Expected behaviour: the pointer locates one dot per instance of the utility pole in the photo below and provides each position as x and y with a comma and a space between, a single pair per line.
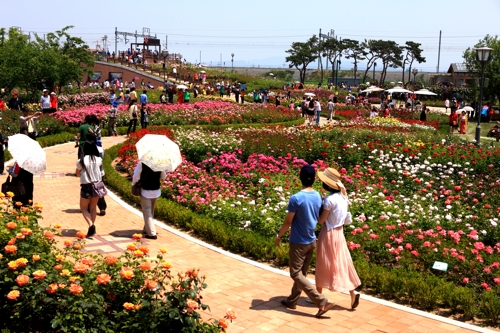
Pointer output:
439, 51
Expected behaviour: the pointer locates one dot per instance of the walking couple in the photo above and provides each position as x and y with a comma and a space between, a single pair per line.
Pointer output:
334, 267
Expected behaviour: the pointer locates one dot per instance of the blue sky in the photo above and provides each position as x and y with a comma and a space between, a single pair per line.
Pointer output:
259, 32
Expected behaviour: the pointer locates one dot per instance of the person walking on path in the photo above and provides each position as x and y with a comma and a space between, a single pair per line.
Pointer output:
303, 212
150, 191
453, 120
330, 107
88, 168
317, 110
446, 104
83, 130
112, 118
132, 110
463, 120
334, 267
242, 96
53, 102
180, 96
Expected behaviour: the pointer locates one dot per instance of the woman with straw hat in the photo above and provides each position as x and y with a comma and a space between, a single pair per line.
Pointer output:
334, 267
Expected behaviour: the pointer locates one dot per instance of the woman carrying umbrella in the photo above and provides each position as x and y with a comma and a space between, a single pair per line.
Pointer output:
30, 160
157, 155
88, 168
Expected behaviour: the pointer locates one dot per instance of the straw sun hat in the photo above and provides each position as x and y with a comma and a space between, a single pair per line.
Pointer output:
332, 178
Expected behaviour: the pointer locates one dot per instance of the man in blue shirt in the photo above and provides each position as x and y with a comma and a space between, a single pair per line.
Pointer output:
143, 98
303, 212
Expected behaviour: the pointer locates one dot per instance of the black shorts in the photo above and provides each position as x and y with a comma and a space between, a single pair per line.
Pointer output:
310, 112
86, 191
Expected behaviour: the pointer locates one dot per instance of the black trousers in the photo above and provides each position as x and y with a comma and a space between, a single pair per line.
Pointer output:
134, 122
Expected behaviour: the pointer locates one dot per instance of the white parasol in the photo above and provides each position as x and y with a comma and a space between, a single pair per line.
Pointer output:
309, 94
159, 152
181, 86
28, 153
425, 92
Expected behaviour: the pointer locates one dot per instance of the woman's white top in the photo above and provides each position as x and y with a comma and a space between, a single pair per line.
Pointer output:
92, 173
337, 206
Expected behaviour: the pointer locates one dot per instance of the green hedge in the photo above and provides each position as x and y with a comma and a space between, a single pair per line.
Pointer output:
296, 122
212, 231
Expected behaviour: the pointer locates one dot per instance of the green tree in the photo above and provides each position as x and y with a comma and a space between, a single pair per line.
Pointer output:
413, 52
491, 69
354, 50
390, 53
333, 49
371, 54
302, 54
42, 63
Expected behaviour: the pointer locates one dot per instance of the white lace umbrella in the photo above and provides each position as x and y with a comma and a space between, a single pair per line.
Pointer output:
424, 92
28, 153
159, 152
309, 94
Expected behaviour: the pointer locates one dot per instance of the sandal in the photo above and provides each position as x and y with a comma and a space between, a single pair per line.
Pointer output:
327, 308
355, 304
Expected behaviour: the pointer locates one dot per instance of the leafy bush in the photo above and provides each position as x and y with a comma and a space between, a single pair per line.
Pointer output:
45, 288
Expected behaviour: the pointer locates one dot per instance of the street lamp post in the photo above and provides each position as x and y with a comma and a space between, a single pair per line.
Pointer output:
414, 71
232, 62
374, 66
164, 54
483, 56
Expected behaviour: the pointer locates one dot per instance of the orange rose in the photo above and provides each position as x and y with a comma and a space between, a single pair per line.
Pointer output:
127, 273
75, 289
137, 307
111, 260
10, 249
223, 323
88, 261
128, 306
131, 247
13, 295
49, 234
23, 218
81, 268
52, 288
12, 265
1, 256
145, 266
181, 275
38, 206
11, 225
136, 236
39, 274
166, 265
73, 279
22, 280
65, 272
12, 241
103, 278
81, 234
150, 284
77, 246
68, 243
58, 267
20, 236
59, 257
26, 231
163, 250
35, 257
230, 314
192, 305
144, 249
23, 262
138, 253
2, 195
18, 203
10, 194
57, 225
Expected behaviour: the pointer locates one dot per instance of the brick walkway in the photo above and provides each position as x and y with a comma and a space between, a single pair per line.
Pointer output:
253, 292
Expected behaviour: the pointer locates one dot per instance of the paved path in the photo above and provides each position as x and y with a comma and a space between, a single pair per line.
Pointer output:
253, 292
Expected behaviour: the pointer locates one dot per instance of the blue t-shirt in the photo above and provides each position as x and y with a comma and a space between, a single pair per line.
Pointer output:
305, 205
143, 98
